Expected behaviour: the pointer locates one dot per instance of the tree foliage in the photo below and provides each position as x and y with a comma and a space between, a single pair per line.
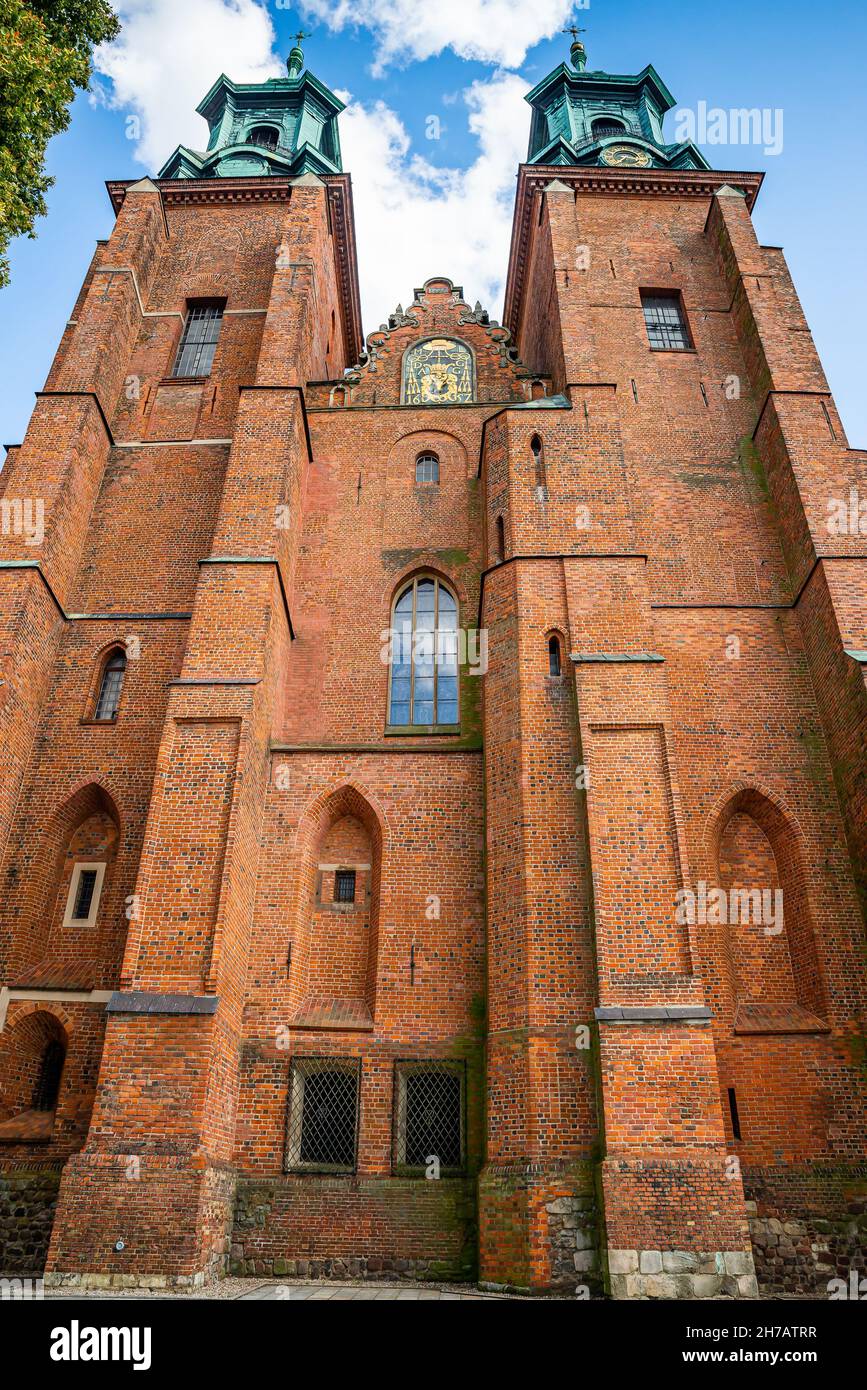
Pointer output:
46, 51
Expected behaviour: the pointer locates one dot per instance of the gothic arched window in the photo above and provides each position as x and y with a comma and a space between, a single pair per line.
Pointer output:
438, 372
110, 686
424, 655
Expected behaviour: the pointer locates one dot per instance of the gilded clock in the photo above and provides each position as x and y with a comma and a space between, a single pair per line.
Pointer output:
626, 157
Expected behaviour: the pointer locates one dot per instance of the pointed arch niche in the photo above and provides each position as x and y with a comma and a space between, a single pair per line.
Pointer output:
67, 923
335, 931
774, 977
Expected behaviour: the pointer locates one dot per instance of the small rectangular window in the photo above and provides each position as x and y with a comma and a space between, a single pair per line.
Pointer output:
322, 1134
82, 900
199, 340
344, 886
429, 1116
84, 896
666, 322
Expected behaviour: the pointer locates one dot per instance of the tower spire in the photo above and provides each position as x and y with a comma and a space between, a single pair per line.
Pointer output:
577, 52
295, 61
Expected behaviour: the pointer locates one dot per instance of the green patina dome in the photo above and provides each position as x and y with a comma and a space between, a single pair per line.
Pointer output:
285, 126
578, 115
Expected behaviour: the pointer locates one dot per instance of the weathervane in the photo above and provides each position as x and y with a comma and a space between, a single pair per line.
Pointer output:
577, 52
295, 61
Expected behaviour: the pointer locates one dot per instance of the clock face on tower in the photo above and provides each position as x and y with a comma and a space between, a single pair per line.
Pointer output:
626, 157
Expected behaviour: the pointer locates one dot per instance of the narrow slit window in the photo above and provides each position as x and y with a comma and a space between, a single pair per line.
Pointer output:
84, 895
199, 340
501, 540
344, 886
666, 322
554, 667
733, 1110
82, 900
110, 687
47, 1087
539, 466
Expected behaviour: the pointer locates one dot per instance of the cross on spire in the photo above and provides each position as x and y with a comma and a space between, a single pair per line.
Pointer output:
574, 31
300, 36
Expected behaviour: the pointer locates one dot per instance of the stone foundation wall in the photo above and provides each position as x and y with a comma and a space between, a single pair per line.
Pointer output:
808, 1227
681, 1274
28, 1197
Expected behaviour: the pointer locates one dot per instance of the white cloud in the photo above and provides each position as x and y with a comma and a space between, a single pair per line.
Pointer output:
167, 57
415, 220
489, 31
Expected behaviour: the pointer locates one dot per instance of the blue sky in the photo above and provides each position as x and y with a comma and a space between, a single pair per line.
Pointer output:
443, 206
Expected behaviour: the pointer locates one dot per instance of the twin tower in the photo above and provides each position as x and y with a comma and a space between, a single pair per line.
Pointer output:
433, 808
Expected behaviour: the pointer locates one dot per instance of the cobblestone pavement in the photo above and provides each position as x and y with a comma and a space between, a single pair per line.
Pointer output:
303, 1290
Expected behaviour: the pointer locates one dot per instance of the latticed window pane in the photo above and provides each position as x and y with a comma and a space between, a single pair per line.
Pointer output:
430, 1115
199, 340
427, 468
110, 687
323, 1115
424, 671
84, 895
666, 325
344, 886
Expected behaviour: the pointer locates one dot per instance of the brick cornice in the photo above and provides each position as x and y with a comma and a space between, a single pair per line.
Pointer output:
271, 189
641, 183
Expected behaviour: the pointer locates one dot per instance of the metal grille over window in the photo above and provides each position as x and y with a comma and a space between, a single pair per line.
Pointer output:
666, 325
322, 1131
84, 895
344, 886
427, 468
429, 1116
424, 671
199, 340
110, 687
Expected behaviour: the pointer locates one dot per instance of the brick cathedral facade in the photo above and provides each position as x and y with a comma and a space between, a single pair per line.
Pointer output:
331, 947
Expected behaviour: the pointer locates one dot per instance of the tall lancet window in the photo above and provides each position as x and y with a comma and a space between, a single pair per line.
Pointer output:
424, 655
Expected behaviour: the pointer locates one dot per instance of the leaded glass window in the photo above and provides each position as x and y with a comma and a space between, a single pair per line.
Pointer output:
427, 468
666, 323
199, 340
110, 687
438, 372
424, 655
